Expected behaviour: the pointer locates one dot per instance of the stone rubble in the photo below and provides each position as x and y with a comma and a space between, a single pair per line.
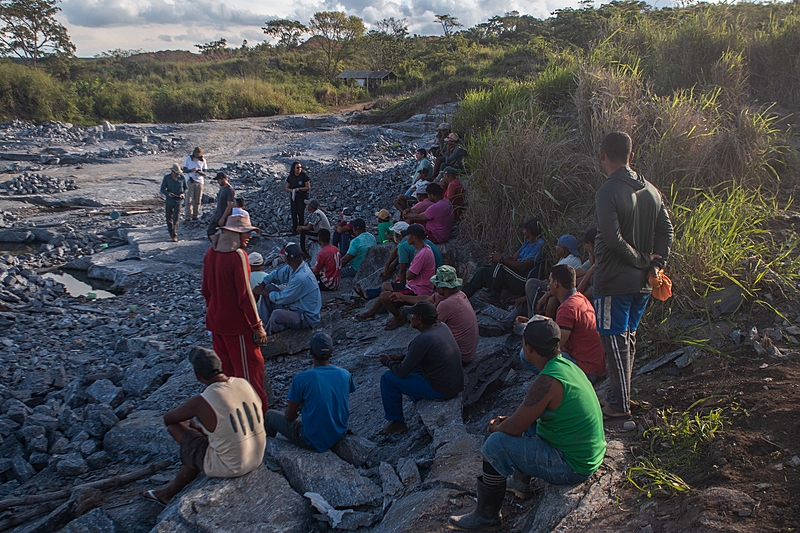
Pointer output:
29, 183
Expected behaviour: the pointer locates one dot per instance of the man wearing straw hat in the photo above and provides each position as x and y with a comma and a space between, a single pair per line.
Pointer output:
173, 187
232, 313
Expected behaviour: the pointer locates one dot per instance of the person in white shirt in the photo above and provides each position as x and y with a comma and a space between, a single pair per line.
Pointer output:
194, 167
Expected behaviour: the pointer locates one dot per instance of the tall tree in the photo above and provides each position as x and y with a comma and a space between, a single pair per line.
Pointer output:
339, 32
288, 32
31, 32
387, 45
449, 24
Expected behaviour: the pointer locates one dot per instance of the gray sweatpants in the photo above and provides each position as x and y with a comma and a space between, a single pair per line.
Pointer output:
620, 352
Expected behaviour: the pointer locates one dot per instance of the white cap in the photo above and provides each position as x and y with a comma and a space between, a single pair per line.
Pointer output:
422, 188
255, 258
399, 227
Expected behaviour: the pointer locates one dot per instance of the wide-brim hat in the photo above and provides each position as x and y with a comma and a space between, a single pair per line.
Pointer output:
239, 224
446, 278
383, 214
176, 168
452, 137
444, 126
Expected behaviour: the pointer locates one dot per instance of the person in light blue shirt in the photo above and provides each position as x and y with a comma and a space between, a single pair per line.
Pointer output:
323, 393
359, 247
298, 304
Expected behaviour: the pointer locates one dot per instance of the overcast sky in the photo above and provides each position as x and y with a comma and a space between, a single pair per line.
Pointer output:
99, 25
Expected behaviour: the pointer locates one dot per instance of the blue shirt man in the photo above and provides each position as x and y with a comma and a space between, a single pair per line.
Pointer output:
298, 303
323, 393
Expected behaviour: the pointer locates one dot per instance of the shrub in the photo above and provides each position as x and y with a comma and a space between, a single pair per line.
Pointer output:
30, 94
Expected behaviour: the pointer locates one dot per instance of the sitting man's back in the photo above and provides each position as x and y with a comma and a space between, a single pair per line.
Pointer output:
323, 393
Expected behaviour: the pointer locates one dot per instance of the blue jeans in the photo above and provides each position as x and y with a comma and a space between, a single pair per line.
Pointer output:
275, 422
414, 385
341, 241
530, 455
348, 271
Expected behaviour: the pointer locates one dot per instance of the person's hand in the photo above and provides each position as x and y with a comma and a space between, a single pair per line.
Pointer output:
495, 423
182, 195
260, 336
541, 305
385, 274
384, 359
520, 320
653, 257
395, 297
495, 257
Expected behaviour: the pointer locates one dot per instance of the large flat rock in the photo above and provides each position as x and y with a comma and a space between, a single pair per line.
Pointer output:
443, 419
457, 463
424, 512
337, 481
140, 438
259, 501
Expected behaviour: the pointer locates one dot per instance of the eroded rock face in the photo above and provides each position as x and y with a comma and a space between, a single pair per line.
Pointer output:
259, 501
338, 482
140, 438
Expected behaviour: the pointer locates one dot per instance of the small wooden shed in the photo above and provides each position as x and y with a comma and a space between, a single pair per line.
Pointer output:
368, 79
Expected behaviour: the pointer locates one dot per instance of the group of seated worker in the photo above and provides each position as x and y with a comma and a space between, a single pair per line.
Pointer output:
538, 298
222, 432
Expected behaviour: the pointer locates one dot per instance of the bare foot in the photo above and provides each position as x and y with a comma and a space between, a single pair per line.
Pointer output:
361, 317
395, 426
394, 324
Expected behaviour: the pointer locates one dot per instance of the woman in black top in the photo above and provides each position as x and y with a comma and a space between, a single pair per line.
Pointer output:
297, 185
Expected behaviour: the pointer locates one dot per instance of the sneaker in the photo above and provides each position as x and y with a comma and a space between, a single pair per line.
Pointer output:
520, 485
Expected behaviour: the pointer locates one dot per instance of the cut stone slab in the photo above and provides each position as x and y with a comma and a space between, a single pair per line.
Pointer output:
95, 521
354, 449
259, 501
337, 481
420, 512
661, 361
369, 271
723, 302
442, 419
287, 342
141, 437
457, 463
16, 236
180, 387
104, 391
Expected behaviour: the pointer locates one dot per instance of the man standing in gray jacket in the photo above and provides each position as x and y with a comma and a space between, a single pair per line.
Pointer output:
634, 237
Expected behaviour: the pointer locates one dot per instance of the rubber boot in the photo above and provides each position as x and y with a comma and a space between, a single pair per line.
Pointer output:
486, 516
520, 485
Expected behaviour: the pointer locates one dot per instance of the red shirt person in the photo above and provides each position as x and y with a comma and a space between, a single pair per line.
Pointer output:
232, 314
329, 263
454, 192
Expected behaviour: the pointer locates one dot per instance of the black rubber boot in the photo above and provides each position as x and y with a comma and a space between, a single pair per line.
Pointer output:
520, 485
486, 516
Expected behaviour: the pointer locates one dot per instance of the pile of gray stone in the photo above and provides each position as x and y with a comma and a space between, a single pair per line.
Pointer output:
52, 130
30, 183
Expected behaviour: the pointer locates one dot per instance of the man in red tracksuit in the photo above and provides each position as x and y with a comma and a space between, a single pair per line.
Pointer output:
232, 314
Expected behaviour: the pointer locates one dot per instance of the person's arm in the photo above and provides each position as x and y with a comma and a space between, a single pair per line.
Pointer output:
586, 279
226, 213
402, 270
416, 217
664, 234
286, 186
204, 288
565, 333
307, 186
346, 259
608, 225
409, 362
545, 392
164, 188
195, 406
291, 293
292, 411
245, 299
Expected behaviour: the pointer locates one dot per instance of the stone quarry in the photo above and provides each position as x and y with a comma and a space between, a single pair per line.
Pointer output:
86, 381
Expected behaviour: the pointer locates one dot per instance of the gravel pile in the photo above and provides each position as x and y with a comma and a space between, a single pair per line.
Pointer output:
52, 130
29, 183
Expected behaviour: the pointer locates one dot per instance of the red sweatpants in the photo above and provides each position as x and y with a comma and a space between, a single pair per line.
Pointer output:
241, 358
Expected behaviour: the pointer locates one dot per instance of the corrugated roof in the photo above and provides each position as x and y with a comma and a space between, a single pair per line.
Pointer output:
365, 74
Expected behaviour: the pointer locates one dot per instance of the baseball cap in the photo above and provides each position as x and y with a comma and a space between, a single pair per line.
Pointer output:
383, 214
220, 175
176, 168
532, 225
589, 236
542, 332
450, 171
321, 345
313, 203
358, 223
422, 189
426, 311
399, 227
206, 363
292, 250
416, 230
255, 259
570, 243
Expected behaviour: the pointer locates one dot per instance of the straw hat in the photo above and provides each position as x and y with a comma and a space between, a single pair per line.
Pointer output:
239, 224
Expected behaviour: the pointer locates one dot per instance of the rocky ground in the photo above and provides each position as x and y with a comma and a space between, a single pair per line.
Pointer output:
86, 381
